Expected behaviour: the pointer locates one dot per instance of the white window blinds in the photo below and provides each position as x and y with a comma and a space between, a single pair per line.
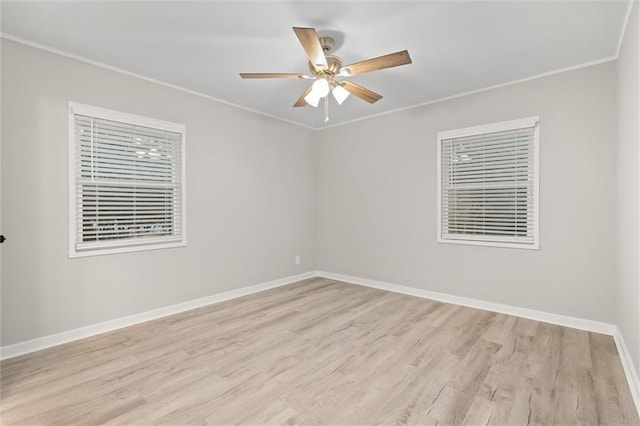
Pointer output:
488, 184
128, 187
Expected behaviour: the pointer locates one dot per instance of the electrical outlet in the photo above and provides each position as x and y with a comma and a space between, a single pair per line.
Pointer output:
297, 260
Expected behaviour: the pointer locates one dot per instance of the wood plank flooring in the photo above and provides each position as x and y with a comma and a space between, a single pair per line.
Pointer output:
324, 352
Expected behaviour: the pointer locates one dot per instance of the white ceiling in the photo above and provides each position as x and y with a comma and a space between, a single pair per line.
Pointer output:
456, 47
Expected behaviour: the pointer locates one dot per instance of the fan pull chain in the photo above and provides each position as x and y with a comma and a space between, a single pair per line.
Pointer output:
326, 109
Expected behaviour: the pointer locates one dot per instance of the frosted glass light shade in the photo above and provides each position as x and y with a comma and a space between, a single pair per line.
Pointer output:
321, 87
339, 93
312, 98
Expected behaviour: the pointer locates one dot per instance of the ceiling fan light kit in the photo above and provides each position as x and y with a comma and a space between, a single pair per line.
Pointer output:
321, 86
340, 94
325, 68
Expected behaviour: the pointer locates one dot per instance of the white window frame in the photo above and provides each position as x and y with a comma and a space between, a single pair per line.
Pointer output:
491, 128
124, 245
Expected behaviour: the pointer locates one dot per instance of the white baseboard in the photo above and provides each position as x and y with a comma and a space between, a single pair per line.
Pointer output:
563, 320
579, 323
22, 348
567, 321
629, 369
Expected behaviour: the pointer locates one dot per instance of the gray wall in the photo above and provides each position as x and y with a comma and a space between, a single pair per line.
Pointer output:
249, 193
376, 198
628, 289
261, 191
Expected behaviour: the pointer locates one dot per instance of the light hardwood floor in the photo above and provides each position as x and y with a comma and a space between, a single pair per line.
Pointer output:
324, 352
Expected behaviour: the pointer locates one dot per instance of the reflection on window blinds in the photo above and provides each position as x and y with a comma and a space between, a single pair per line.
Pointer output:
127, 184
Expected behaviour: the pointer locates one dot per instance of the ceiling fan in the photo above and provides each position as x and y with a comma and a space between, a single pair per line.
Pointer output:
326, 68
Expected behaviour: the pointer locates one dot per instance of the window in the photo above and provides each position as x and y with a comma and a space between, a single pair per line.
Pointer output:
488, 185
126, 182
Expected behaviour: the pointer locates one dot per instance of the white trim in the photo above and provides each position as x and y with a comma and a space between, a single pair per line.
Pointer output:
486, 243
103, 327
473, 92
627, 365
507, 241
536, 187
149, 79
501, 126
627, 17
125, 246
563, 320
71, 177
125, 117
202, 95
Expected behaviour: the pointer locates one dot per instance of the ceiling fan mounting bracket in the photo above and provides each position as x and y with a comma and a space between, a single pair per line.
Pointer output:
326, 43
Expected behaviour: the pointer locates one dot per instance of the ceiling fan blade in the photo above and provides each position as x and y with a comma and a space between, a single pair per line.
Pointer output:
360, 92
309, 40
379, 63
272, 75
301, 102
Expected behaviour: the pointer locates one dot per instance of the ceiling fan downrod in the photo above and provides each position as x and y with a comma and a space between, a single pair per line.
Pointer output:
326, 109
